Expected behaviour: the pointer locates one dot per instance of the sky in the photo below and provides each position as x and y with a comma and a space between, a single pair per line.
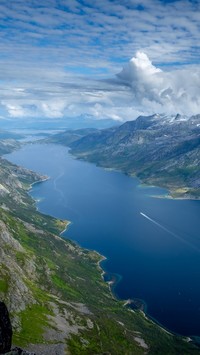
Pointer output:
104, 58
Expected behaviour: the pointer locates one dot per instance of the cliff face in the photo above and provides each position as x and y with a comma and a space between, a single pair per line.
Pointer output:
54, 291
5, 329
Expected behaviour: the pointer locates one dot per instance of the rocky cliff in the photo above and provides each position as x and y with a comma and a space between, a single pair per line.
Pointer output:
6, 334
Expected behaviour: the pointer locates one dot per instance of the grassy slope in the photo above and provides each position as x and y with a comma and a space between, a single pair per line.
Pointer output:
54, 288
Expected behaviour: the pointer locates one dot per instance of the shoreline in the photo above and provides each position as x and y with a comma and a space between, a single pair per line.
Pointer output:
37, 182
141, 184
66, 226
170, 194
170, 197
36, 201
102, 258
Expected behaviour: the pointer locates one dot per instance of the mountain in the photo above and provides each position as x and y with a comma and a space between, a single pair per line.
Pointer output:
9, 135
8, 145
54, 290
160, 150
69, 136
82, 121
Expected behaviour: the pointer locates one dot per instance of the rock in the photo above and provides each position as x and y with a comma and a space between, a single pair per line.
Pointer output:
19, 351
5, 329
6, 334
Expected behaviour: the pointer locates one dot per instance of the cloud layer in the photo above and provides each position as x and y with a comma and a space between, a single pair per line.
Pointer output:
140, 88
56, 58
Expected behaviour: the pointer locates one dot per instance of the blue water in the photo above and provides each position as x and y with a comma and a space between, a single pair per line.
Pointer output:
156, 255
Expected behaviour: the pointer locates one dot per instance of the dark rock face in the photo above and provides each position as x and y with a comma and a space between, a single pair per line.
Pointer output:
5, 329
19, 351
6, 334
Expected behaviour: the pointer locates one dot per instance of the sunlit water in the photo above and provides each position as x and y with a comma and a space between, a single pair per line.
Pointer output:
152, 244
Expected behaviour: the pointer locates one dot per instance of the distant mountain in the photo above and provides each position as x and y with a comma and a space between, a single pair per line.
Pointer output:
160, 150
82, 121
70, 136
9, 135
8, 145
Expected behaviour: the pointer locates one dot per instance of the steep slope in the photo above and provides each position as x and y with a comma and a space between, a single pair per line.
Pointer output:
8, 145
163, 151
54, 289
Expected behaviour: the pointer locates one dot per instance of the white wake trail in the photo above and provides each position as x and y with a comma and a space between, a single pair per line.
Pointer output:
170, 232
55, 184
62, 195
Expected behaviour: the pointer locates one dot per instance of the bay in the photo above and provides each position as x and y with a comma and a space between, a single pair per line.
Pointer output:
152, 244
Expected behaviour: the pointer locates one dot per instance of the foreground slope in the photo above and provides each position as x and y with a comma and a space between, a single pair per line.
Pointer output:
54, 289
163, 151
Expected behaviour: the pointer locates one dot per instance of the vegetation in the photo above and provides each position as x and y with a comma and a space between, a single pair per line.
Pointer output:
160, 151
55, 291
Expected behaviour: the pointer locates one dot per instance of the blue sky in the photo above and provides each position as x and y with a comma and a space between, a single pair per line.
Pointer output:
59, 58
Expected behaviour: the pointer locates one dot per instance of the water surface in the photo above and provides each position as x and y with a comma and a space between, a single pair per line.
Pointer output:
156, 253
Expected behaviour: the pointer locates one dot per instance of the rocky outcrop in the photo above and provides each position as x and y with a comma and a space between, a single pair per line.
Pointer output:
6, 334
19, 351
5, 329
16, 267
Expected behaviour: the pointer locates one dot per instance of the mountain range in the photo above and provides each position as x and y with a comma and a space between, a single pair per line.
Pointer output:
160, 150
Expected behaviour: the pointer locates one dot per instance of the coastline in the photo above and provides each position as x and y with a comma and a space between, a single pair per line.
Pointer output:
60, 222
168, 195
67, 223
45, 178
102, 258
103, 272
170, 192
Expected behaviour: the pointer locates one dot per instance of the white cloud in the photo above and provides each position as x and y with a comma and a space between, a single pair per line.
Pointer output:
157, 91
53, 108
140, 88
14, 110
48, 52
137, 66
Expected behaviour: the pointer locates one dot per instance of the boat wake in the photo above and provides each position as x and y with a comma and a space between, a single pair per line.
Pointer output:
55, 185
170, 232
63, 197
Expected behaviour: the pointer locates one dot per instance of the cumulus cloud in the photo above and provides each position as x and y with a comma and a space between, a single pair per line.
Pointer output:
157, 91
15, 110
